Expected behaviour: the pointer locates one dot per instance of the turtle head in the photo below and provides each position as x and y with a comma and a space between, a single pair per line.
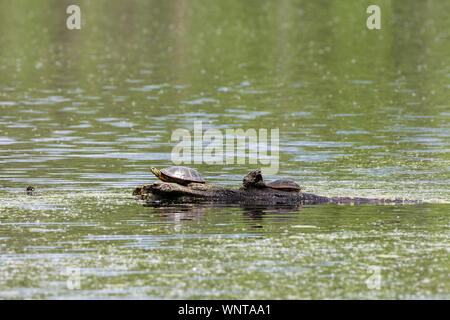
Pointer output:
156, 172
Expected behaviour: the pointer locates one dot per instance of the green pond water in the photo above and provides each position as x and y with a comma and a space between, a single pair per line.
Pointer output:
85, 113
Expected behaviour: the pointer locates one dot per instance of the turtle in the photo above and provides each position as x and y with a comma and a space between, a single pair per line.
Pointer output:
284, 185
178, 174
30, 190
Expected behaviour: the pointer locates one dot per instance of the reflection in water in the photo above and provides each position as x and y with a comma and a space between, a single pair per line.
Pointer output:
193, 212
197, 211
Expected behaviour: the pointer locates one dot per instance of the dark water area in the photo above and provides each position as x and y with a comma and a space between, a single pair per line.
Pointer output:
85, 113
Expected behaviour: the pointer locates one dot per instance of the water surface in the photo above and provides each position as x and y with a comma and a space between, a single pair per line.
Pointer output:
83, 114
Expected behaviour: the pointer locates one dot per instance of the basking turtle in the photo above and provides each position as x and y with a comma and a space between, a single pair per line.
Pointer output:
284, 185
178, 174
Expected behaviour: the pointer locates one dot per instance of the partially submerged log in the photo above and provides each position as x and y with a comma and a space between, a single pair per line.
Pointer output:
252, 192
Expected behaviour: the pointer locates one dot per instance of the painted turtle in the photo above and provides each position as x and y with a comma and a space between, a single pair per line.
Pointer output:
178, 174
30, 190
284, 185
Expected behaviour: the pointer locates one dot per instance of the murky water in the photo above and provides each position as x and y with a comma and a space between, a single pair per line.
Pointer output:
83, 114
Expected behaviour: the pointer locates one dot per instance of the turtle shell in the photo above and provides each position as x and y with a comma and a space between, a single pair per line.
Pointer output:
283, 184
182, 175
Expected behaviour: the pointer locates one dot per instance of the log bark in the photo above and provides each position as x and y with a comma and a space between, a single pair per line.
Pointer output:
195, 192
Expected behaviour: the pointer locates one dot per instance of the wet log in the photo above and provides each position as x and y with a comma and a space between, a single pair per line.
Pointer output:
252, 192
